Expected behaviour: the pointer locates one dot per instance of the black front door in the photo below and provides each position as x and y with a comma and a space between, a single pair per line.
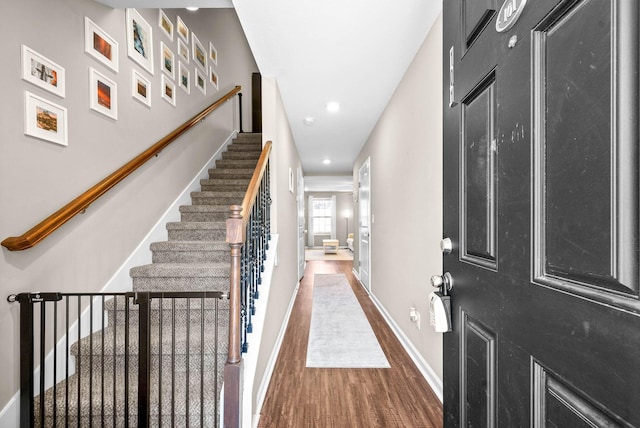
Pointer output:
541, 203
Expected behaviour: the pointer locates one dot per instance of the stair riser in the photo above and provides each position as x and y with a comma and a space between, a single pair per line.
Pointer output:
241, 156
205, 216
198, 235
191, 256
235, 164
215, 200
234, 174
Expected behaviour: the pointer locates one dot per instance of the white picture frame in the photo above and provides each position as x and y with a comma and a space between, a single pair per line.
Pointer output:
199, 81
42, 72
140, 88
213, 78
45, 120
100, 45
165, 24
167, 61
182, 30
198, 53
213, 54
184, 77
183, 51
139, 40
103, 94
168, 91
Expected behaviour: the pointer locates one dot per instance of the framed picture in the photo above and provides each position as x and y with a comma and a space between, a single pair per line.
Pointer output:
167, 62
100, 45
213, 54
183, 30
198, 79
45, 120
42, 72
198, 53
140, 88
139, 40
213, 77
103, 94
183, 51
184, 76
165, 23
168, 91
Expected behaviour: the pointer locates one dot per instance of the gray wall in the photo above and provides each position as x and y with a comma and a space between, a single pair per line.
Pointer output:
284, 219
405, 149
38, 177
344, 202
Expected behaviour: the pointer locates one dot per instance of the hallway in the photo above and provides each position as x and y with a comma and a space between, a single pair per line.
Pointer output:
321, 398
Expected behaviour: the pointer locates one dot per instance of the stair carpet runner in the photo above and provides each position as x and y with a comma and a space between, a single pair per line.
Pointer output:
195, 258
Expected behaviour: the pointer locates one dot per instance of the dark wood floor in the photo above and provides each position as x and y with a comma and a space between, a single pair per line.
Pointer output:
312, 397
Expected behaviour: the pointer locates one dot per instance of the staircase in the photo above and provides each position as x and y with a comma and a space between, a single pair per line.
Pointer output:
187, 353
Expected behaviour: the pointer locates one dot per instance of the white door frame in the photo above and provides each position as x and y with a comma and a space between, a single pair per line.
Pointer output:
364, 220
301, 224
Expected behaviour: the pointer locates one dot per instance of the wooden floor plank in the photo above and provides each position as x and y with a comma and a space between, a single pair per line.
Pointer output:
316, 397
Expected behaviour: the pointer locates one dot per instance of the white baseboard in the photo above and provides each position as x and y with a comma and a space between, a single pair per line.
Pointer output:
119, 282
427, 372
266, 378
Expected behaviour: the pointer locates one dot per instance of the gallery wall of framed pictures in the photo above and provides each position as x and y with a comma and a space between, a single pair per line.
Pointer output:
184, 60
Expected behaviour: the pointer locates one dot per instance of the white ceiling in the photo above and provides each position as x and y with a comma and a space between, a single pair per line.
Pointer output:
351, 51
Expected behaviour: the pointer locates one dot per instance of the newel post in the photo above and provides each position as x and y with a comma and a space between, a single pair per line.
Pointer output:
233, 368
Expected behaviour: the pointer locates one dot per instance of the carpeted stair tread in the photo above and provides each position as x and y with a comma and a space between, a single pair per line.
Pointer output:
220, 194
190, 246
255, 155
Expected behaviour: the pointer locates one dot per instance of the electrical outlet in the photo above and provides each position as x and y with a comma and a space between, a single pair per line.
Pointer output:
414, 316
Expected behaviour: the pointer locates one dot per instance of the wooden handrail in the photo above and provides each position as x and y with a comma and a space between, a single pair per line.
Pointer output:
47, 226
254, 184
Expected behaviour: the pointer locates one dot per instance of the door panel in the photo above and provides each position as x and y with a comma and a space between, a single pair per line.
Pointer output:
478, 226
541, 201
476, 15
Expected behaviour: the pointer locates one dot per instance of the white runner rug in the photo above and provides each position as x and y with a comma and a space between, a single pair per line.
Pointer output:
340, 335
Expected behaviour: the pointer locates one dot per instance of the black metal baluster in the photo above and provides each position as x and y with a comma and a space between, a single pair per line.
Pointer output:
66, 364
102, 363
144, 404
215, 359
79, 359
55, 363
202, 361
126, 361
173, 362
90, 361
113, 351
42, 368
160, 319
188, 340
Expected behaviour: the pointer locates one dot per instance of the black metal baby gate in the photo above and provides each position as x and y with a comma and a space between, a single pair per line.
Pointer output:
122, 359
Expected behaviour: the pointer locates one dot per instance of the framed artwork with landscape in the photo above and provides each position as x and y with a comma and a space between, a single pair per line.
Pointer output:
198, 53
140, 88
45, 120
139, 40
103, 94
100, 45
165, 23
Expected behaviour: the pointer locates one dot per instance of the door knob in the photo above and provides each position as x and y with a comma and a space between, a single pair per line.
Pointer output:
445, 281
446, 245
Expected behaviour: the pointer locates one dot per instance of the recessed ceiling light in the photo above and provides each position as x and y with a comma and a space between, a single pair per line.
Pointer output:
326, 161
333, 106
192, 9
308, 120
